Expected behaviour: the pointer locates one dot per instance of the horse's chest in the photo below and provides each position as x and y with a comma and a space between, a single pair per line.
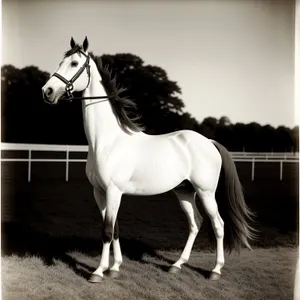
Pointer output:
102, 170
97, 173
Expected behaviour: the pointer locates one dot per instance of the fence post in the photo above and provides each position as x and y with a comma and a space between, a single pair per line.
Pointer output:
253, 166
281, 167
29, 165
67, 164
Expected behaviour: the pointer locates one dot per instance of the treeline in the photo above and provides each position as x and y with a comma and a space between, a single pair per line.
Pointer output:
27, 119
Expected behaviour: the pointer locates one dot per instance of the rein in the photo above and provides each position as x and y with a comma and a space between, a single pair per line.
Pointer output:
70, 83
70, 98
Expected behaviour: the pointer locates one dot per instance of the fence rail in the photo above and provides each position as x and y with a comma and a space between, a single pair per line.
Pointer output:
249, 157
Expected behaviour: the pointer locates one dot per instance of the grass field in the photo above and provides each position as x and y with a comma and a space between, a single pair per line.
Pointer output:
261, 275
51, 240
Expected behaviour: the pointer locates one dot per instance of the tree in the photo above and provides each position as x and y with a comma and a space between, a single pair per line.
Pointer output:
268, 140
208, 127
224, 121
295, 138
24, 112
252, 137
284, 139
156, 96
21, 108
239, 137
27, 118
224, 135
223, 132
186, 121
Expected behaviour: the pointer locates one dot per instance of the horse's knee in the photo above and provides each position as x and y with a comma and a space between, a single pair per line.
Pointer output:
110, 231
107, 234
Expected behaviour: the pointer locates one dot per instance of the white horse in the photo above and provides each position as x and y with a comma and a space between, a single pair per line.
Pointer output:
124, 160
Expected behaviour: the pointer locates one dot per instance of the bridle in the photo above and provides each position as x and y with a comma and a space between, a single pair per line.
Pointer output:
70, 83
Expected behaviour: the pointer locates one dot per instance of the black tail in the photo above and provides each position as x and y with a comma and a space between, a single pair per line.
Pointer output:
232, 207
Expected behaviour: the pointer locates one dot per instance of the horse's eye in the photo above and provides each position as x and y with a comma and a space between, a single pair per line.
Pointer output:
74, 63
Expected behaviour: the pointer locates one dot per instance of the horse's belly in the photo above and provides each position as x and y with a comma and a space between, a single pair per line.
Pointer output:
157, 177
152, 187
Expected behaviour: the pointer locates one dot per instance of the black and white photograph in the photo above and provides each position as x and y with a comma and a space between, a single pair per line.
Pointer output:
150, 149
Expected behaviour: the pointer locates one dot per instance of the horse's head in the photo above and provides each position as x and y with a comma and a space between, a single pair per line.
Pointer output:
73, 74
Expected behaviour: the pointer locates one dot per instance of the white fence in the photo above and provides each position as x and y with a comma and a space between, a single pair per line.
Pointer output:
250, 157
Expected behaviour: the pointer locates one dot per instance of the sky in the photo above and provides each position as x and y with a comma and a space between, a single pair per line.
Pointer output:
231, 58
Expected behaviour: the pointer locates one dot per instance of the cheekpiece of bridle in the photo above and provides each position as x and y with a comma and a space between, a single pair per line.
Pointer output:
70, 83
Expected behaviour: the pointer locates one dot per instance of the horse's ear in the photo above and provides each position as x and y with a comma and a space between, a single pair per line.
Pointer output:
72, 43
85, 44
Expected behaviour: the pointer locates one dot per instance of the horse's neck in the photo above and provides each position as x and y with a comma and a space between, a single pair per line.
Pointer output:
100, 124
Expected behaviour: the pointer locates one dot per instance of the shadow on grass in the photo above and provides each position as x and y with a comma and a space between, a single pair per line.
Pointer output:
205, 273
23, 240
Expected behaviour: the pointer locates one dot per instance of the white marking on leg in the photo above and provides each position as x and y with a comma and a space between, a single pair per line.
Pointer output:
104, 262
117, 255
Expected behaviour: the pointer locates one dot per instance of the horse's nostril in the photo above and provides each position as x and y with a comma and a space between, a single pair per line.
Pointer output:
49, 91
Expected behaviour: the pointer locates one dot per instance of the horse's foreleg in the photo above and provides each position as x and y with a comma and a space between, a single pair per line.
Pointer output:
99, 196
113, 200
188, 205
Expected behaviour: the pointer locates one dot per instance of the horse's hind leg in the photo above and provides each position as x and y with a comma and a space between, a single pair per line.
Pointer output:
211, 208
188, 205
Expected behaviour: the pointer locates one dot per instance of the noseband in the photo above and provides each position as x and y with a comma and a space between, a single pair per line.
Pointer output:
70, 83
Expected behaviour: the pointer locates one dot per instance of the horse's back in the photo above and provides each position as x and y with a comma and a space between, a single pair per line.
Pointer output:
191, 146
198, 146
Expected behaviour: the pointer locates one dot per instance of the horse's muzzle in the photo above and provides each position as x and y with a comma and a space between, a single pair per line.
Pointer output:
47, 95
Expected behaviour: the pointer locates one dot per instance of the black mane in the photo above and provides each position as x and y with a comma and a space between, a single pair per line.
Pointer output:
76, 49
119, 105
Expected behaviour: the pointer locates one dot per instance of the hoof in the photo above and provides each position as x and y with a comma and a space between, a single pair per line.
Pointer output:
214, 276
113, 274
95, 278
174, 270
